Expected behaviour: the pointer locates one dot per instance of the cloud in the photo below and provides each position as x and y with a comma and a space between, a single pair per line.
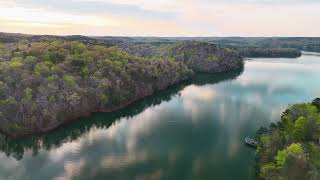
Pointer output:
159, 5
162, 17
98, 7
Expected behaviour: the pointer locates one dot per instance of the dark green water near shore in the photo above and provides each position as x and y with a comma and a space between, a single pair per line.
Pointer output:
194, 130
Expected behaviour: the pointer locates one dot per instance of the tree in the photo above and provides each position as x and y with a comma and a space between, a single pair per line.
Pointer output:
299, 131
316, 103
298, 154
281, 158
77, 48
69, 79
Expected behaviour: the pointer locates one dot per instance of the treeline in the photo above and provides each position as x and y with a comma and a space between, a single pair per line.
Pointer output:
291, 148
48, 83
18, 38
300, 43
249, 46
253, 52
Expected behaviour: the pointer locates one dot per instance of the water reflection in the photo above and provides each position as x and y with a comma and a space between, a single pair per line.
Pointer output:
146, 147
72, 132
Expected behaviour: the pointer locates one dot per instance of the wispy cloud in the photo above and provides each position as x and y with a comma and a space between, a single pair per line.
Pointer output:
162, 17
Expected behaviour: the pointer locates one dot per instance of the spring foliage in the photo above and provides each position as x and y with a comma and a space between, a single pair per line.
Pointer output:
46, 83
291, 149
43, 84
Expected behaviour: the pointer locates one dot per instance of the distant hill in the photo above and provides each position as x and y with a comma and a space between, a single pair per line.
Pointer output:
300, 43
15, 37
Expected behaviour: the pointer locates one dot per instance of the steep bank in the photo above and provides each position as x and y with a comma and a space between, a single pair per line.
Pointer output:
46, 84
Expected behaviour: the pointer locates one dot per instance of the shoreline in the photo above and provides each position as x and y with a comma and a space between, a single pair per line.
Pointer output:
88, 114
61, 124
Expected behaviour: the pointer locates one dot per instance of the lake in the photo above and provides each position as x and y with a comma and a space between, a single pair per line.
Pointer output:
194, 130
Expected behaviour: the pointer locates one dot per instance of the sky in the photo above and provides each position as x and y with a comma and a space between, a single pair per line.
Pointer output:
162, 17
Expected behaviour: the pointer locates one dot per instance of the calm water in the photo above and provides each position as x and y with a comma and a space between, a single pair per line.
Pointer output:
191, 131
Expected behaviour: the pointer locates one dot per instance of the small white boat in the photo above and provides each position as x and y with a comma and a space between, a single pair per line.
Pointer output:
251, 142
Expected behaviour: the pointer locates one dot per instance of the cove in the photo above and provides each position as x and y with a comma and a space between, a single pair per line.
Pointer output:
193, 130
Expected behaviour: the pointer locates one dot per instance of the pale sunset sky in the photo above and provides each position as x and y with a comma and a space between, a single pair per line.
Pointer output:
162, 17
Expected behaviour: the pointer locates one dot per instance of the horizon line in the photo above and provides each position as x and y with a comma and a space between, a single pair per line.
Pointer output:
140, 36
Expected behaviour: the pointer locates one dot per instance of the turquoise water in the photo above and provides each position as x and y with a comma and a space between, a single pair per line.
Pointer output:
194, 130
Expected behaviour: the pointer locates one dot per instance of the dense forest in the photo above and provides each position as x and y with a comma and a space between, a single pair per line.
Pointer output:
193, 54
301, 43
49, 81
273, 47
269, 52
291, 148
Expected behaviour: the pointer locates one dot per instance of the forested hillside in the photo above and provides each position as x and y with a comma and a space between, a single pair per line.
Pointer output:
252, 52
300, 43
194, 54
291, 149
49, 82
45, 84
251, 47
